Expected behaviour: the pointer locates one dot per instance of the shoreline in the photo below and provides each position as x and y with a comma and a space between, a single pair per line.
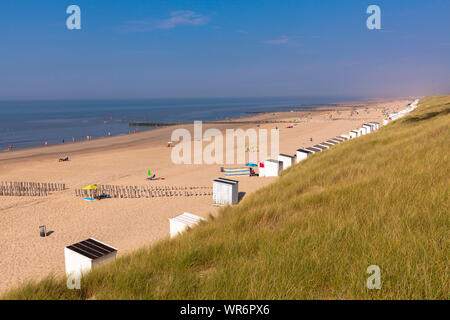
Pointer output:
232, 122
247, 115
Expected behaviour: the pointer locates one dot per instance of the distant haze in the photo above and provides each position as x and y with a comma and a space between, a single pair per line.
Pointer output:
153, 49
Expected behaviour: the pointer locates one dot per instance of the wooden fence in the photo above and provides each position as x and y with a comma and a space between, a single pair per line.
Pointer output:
34, 189
144, 192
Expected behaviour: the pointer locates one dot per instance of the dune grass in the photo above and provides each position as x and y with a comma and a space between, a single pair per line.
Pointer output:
382, 199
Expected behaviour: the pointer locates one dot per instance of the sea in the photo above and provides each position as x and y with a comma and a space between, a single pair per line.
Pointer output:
33, 123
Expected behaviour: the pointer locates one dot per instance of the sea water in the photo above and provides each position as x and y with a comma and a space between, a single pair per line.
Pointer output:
34, 123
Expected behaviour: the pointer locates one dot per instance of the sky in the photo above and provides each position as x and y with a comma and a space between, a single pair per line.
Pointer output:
229, 48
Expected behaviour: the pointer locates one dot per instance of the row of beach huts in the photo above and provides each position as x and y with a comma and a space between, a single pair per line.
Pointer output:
85, 255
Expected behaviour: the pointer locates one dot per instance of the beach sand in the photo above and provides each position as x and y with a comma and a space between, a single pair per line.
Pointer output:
128, 224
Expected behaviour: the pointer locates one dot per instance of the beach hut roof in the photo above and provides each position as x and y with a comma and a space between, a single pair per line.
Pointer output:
286, 155
274, 161
304, 150
188, 219
91, 248
227, 181
314, 149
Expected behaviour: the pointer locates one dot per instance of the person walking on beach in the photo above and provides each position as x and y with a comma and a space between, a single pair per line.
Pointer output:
45, 143
10, 147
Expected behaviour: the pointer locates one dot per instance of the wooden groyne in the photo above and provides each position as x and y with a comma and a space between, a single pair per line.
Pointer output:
165, 124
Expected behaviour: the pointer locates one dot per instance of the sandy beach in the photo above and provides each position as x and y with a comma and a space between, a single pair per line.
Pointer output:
128, 224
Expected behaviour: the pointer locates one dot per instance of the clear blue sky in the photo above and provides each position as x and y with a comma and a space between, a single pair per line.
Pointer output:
228, 48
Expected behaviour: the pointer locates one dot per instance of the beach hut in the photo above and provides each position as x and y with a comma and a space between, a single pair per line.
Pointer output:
353, 134
333, 142
385, 122
287, 160
83, 256
362, 131
376, 125
302, 154
313, 150
326, 144
225, 191
368, 127
343, 137
272, 168
183, 221
318, 146
338, 139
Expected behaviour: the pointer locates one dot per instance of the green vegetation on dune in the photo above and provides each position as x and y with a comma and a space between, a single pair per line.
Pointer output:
382, 199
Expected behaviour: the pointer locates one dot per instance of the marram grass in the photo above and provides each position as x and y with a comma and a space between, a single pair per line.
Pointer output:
381, 199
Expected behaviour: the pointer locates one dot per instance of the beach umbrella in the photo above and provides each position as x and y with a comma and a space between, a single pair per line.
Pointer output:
251, 164
149, 173
90, 187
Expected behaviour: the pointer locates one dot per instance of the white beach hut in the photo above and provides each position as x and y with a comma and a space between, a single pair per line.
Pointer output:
318, 146
302, 154
83, 256
183, 221
287, 160
313, 150
362, 131
374, 126
342, 137
272, 168
327, 144
338, 139
354, 134
385, 122
324, 145
225, 191
333, 140
368, 127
